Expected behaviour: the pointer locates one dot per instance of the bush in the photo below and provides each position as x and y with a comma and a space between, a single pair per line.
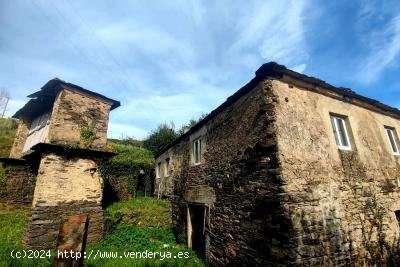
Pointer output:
128, 174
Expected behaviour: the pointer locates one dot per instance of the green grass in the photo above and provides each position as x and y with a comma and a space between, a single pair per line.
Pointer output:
8, 128
136, 225
144, 224
12, 222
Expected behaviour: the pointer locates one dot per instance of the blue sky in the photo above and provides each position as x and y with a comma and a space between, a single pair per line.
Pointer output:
174, 60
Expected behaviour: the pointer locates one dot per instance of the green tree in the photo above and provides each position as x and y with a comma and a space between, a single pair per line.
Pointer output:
186, 127
160, 138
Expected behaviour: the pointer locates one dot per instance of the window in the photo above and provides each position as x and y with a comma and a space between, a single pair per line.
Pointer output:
39, 122
167, 167
340, 132
197, 151
159, 169
392, 135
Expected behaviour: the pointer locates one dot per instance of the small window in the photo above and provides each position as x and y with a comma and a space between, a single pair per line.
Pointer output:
340, 132
197, 151
159, 169
167, 167
392, 135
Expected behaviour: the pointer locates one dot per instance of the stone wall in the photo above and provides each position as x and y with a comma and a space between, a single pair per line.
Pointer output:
341, 203
18, 185
19, 140
71, 111
45, 220
65, 186
63, 179
238, 181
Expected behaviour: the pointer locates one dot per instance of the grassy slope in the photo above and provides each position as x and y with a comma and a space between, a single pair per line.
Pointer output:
137, 225
144, 224
8, 128
12, 222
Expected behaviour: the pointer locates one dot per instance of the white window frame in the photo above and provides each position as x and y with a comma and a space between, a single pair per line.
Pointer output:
392, 135
338, 138
158, 169
195, 153
167, 167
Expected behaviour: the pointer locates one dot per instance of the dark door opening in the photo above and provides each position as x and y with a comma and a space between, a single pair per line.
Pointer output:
196, 228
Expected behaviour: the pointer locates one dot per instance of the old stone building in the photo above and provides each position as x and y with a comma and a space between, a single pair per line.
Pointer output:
60, 139
289, 170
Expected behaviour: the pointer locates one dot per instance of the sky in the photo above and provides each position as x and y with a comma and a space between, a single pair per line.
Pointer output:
172, 61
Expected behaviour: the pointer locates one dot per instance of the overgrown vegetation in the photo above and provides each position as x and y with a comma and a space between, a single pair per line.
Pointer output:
165, 134
160, 138
88, 134
8, 128
136, 225
141, 224
129, 173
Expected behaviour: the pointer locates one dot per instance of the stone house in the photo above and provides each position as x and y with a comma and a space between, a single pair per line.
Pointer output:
61, 137
289, 170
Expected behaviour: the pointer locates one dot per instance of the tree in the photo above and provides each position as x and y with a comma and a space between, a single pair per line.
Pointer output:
4, 98
186, 127
160, 138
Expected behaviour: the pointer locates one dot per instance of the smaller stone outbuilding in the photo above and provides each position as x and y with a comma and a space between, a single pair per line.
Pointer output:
60, 140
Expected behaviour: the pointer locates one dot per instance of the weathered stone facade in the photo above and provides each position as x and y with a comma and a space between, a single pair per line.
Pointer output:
19, 183
62, 179
71, 111
274, 187
20, 138
61, 137
44, 222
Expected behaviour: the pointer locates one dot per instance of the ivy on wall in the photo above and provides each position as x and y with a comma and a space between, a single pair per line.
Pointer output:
88, 134
128, 174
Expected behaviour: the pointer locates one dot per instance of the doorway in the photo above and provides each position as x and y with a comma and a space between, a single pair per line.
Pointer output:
196, 228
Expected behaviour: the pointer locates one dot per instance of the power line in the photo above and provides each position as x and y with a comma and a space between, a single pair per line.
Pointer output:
74, 46
88, 26
115, 75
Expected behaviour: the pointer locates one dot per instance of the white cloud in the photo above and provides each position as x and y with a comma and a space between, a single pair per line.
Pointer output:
130, 38
120, 131
299, 68
384, 50
276, 31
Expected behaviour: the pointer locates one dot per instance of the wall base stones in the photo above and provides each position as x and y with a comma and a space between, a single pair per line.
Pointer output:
44, 223
19, 183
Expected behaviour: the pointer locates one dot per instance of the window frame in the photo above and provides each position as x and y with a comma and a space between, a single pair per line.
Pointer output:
394, 136
197, 153
338, 137
167, 167
158, 174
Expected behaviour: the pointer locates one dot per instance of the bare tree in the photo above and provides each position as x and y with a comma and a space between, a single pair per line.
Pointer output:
4, 98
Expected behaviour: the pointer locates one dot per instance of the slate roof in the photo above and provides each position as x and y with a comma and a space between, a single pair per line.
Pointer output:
42, 100
276, 71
